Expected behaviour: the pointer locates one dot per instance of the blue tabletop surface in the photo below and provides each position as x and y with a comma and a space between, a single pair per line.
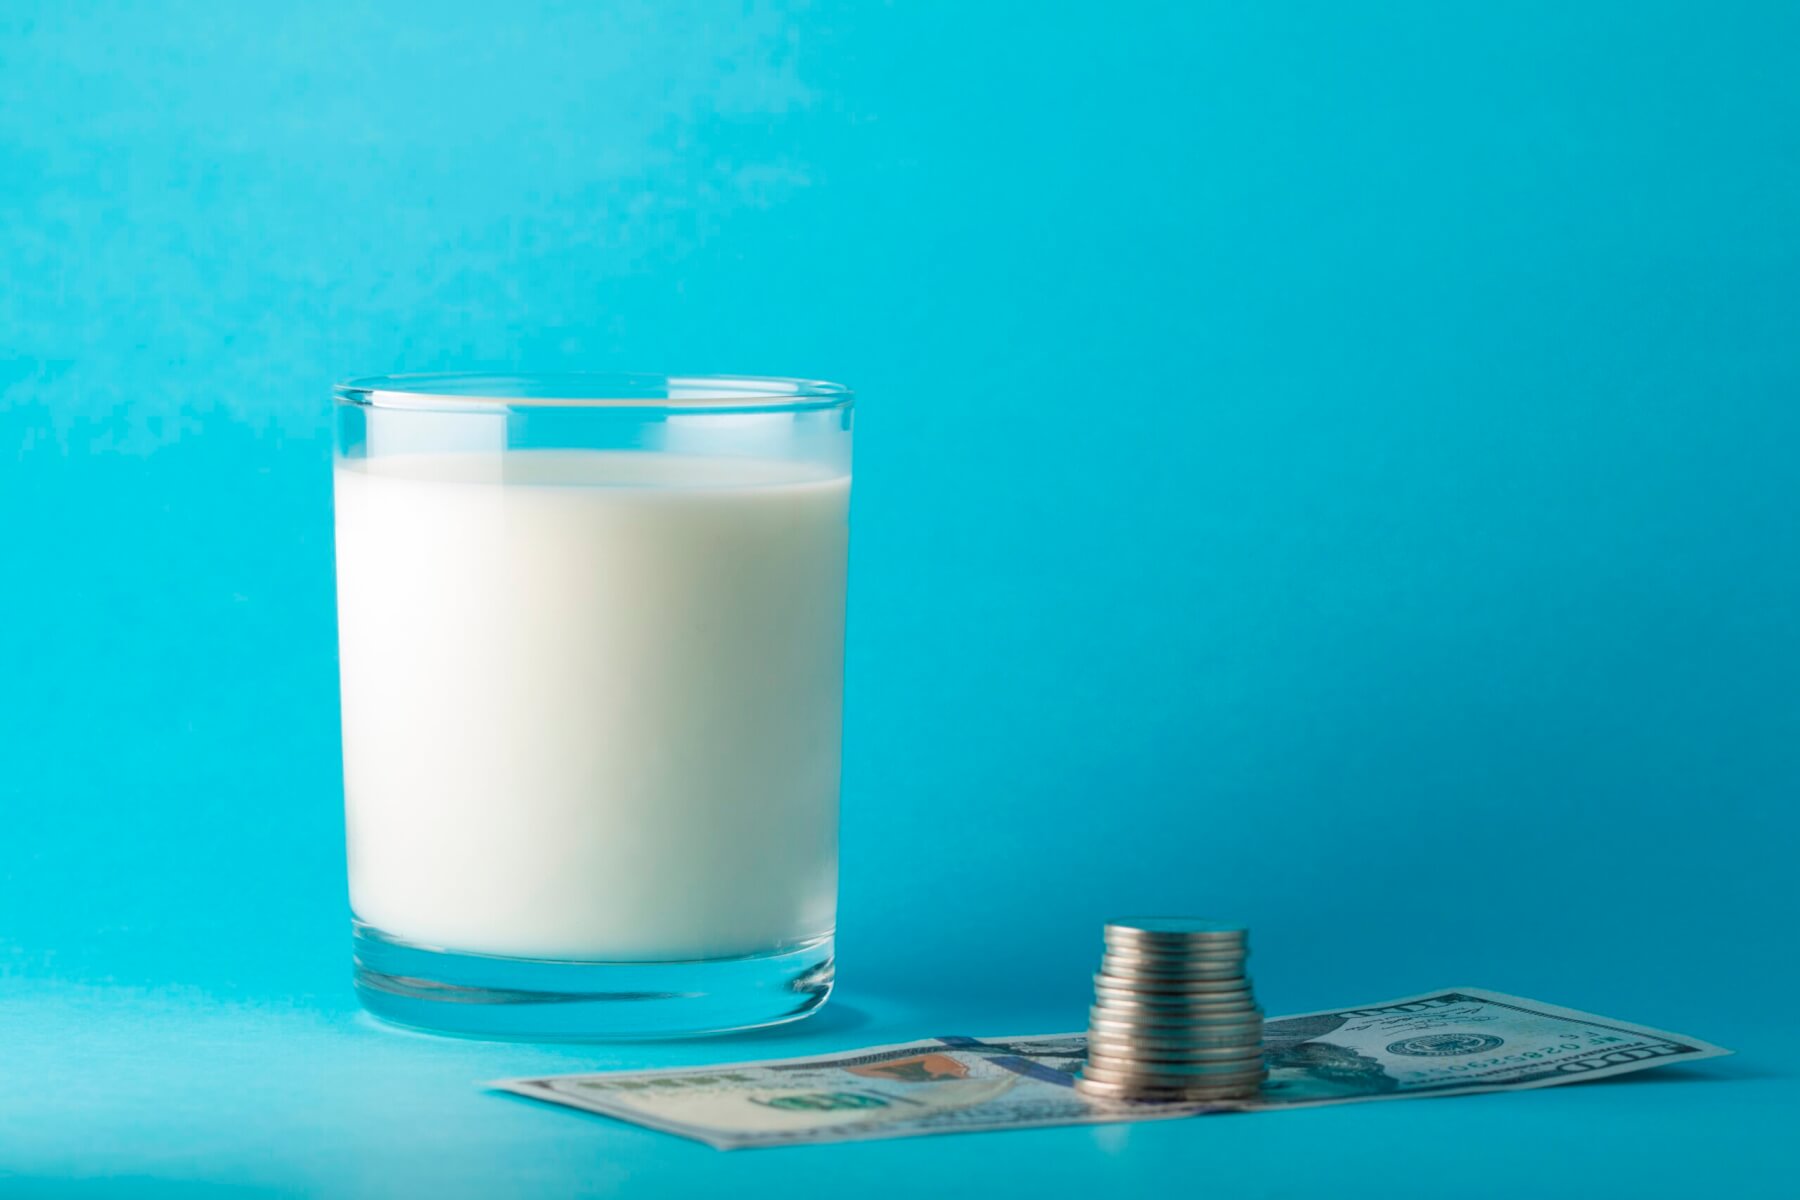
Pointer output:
1326, 465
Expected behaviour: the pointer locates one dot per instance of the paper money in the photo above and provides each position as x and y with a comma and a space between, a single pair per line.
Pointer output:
1446, 1043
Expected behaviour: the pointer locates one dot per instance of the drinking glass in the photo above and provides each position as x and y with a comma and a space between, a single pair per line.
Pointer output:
591, 635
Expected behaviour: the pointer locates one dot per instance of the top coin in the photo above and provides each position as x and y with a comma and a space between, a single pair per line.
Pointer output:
1173, 931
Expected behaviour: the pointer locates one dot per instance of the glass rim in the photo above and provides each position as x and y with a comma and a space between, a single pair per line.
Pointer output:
481, 391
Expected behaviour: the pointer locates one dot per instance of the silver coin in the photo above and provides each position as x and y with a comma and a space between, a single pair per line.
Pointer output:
1137, 1006
1246, 1060
1125, 1012
1207, 990
1120, 964
1138, 1002
1242, 1058
1210, 1034
1106, 994
1174, 997
1144, 1040
1228, 1066
1212, 997
1169, 981
1168, 951
1131, 1099
1121, 1045
1147, 1020
1177, 1036
1150, 947
1171, 1093
1163, 956
1179, 1092
1138, 968
1156, 1025
1139, 961
1154, 947
1139, 1077
1173, 931
1178, 987
1174, 1041
1096, 1090
1111, 965
1150, 1077
1113, 1047
1134, 1051
1188, 986
1147, 947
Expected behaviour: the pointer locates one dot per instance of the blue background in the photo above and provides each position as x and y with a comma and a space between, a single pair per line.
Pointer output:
1327, 464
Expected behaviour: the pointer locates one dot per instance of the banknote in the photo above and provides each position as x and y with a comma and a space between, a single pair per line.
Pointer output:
1445, 1043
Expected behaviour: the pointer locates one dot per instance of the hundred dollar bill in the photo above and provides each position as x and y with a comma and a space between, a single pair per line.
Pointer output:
1446, 1043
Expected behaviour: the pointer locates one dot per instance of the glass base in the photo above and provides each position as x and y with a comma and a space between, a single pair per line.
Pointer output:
527, 999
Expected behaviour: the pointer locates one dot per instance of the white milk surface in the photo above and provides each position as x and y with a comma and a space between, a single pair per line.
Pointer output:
591, 701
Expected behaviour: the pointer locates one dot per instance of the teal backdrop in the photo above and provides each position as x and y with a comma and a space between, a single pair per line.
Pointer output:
1326, 464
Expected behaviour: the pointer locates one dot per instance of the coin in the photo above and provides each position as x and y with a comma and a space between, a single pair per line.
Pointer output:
1114, 1008
1174, 968
1202, 949
1135, 1051
1174, 927
1124, 976
1178, 1009
1137, 1041
1172, 987
1174, 964
1172, 974
1149, 1078
1242, 1065
1175, 1017
1107, 996
1134, 1042
1141, 1077
1202, 1024
1173, 931
1246, 1062
1220, 1056
1146, 1080
1125, 942
1199, 960
1129, 1094
1122, 1000
1243, 1059
1174, 1012
1199, 993
1113, 1047
1120, 1042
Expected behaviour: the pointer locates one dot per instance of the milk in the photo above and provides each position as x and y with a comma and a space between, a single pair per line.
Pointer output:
591, 700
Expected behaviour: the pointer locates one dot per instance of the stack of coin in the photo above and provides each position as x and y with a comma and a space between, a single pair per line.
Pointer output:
1173, 1016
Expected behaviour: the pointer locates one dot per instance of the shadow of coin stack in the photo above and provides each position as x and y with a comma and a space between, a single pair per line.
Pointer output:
1174, 1017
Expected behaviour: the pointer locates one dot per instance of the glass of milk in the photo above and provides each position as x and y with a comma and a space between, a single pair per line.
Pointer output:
591, 635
